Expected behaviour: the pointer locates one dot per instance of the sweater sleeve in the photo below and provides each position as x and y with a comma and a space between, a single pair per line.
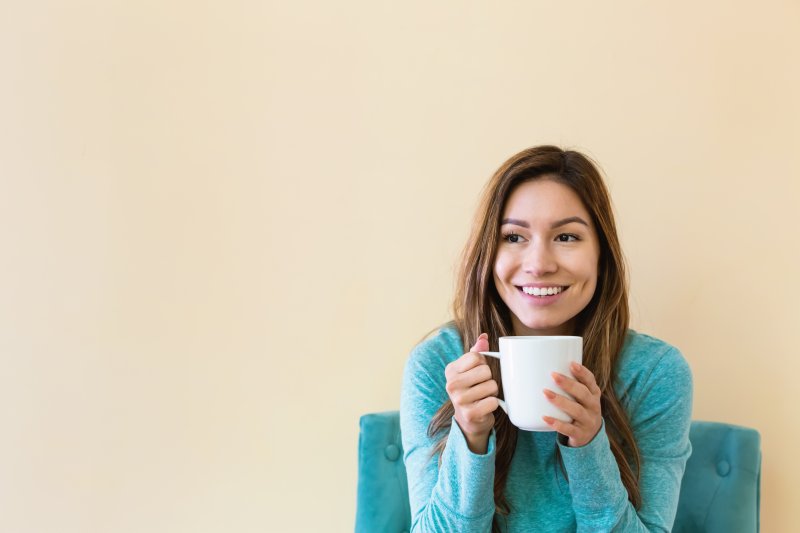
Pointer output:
660, 418
458, 494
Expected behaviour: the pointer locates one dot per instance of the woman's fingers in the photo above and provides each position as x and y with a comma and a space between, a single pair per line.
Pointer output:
585, 376
488, 405
472, 385
579, 432
481, 344
465, 363
472, 391
478, 392
577, 389
464, 380
572, 408
585, 409
476, 375
565, 428
573, 388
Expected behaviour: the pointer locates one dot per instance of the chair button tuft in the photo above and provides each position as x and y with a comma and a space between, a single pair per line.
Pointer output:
392, 452
723, 468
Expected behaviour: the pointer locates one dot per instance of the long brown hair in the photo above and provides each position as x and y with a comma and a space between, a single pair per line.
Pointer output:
603, 323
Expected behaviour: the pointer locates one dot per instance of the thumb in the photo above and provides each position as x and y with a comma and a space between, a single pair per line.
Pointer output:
482, 344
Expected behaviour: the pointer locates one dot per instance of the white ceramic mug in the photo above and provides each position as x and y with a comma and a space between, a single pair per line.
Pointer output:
526, 364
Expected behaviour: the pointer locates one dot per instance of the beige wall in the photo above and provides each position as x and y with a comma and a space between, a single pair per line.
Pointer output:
224, 224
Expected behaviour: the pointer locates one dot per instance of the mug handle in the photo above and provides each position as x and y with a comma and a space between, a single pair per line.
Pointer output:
496, 355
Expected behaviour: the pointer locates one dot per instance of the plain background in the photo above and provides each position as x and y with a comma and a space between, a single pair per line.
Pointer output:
223, 226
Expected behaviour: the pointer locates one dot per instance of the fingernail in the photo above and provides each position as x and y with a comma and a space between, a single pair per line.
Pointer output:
550, 394
484, 335
575, 366
556, 376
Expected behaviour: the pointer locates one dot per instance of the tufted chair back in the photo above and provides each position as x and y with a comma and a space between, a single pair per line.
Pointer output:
720, 491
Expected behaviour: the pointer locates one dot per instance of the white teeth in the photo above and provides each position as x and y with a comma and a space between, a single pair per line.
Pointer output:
544, 291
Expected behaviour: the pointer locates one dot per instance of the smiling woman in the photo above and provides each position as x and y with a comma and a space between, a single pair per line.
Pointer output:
546, 265
544, 259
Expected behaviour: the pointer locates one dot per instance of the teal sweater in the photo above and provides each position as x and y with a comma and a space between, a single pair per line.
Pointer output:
654, 385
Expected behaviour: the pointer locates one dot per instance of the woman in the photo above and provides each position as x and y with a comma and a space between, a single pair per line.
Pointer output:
544, 259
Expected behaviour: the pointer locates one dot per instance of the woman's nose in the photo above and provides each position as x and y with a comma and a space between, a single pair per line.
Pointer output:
539, 260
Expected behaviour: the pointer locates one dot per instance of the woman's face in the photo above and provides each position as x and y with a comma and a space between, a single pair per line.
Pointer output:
546, 265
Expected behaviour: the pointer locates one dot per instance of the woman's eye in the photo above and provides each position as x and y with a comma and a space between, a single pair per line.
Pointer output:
567, 237
512, 237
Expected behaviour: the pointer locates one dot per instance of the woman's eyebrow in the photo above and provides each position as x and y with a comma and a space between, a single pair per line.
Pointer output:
515, 221
554, 225
568, 220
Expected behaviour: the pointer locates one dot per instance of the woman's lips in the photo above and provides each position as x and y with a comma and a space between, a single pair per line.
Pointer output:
542, 300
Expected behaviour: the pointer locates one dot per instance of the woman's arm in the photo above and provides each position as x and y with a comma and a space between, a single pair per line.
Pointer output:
458, 495
660, 417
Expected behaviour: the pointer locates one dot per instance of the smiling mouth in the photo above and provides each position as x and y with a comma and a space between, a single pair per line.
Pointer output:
543, 292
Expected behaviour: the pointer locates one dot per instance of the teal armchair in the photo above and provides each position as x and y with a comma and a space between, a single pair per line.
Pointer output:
720, 490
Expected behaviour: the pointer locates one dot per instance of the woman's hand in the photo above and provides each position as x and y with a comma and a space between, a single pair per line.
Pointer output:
584, 410
474, 395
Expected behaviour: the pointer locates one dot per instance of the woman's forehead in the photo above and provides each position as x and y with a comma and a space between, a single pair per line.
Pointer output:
543, 200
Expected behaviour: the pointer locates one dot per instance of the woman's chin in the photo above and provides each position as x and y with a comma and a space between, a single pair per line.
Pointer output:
542, 327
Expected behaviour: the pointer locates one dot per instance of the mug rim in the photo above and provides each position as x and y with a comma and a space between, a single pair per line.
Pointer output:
540, 337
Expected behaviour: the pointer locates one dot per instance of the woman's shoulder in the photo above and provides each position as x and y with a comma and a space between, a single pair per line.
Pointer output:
424, 374
644, 351
647, 362
439, 347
